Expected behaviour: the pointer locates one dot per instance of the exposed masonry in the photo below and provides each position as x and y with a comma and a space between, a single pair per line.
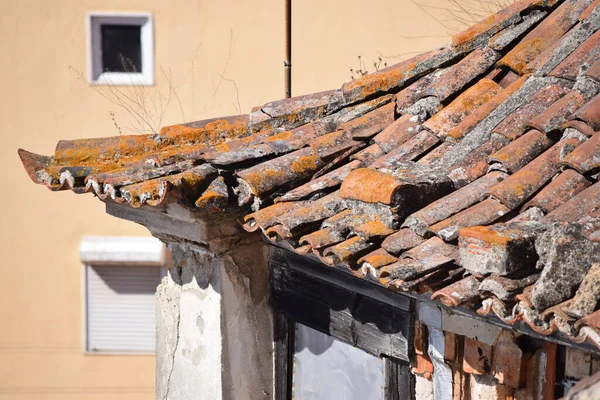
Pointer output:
444, 174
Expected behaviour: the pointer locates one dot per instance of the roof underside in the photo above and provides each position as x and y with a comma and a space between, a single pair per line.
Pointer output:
469, 172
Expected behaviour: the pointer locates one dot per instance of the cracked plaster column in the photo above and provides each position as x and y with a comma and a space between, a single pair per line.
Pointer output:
214, 323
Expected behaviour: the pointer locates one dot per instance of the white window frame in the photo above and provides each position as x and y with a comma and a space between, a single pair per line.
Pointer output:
94, 21
118, 251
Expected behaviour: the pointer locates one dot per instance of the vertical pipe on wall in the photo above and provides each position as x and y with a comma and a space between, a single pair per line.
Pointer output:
287, 63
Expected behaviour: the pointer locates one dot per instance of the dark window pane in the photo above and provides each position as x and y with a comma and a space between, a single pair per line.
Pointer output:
121, 48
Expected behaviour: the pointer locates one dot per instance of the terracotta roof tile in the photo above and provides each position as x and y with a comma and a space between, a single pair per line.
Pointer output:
579, 60
463, 106
516, 123
519, 187
402, 240
517, 154
398, 132
475, 164
373, 175
590, 113
295, 111
544, 35
445, 82
410, 150
392, 78
452, 203
586, 158
560, 190
479, 33
459, 293
483, 213
585, 202
472, 120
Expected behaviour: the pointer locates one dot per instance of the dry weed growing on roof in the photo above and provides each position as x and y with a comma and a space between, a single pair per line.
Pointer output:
146, 107
460, 14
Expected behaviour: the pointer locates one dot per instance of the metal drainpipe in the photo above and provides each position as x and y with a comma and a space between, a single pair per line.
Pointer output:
287, 63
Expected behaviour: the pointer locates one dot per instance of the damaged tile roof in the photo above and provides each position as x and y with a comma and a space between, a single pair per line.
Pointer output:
469, 172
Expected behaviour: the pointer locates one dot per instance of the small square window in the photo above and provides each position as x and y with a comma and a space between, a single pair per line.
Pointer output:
121, 49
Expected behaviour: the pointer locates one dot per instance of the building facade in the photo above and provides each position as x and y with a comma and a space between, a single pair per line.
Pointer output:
213, 58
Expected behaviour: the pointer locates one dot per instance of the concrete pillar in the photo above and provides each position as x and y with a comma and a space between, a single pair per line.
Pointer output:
214, 329
214, 323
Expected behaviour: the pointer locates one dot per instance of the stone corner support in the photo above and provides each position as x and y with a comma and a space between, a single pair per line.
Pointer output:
214, 323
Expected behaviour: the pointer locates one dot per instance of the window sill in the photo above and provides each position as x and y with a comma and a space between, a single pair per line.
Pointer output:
119, 353
123, 79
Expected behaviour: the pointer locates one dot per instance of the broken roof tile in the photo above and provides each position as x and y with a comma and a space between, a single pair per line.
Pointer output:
463, 106
560, 190
504, 288
544, 35
500, 249
517, 154
452, 203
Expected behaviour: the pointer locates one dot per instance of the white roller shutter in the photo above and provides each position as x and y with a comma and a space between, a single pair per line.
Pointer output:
120, 308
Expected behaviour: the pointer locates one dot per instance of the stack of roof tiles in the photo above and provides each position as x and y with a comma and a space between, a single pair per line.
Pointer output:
452, 173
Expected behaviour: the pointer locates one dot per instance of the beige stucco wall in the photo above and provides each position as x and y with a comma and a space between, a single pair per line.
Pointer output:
42, 100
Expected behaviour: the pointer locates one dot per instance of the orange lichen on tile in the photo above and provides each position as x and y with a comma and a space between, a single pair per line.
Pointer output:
369, 185
269, 175
377, 259
463, 106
